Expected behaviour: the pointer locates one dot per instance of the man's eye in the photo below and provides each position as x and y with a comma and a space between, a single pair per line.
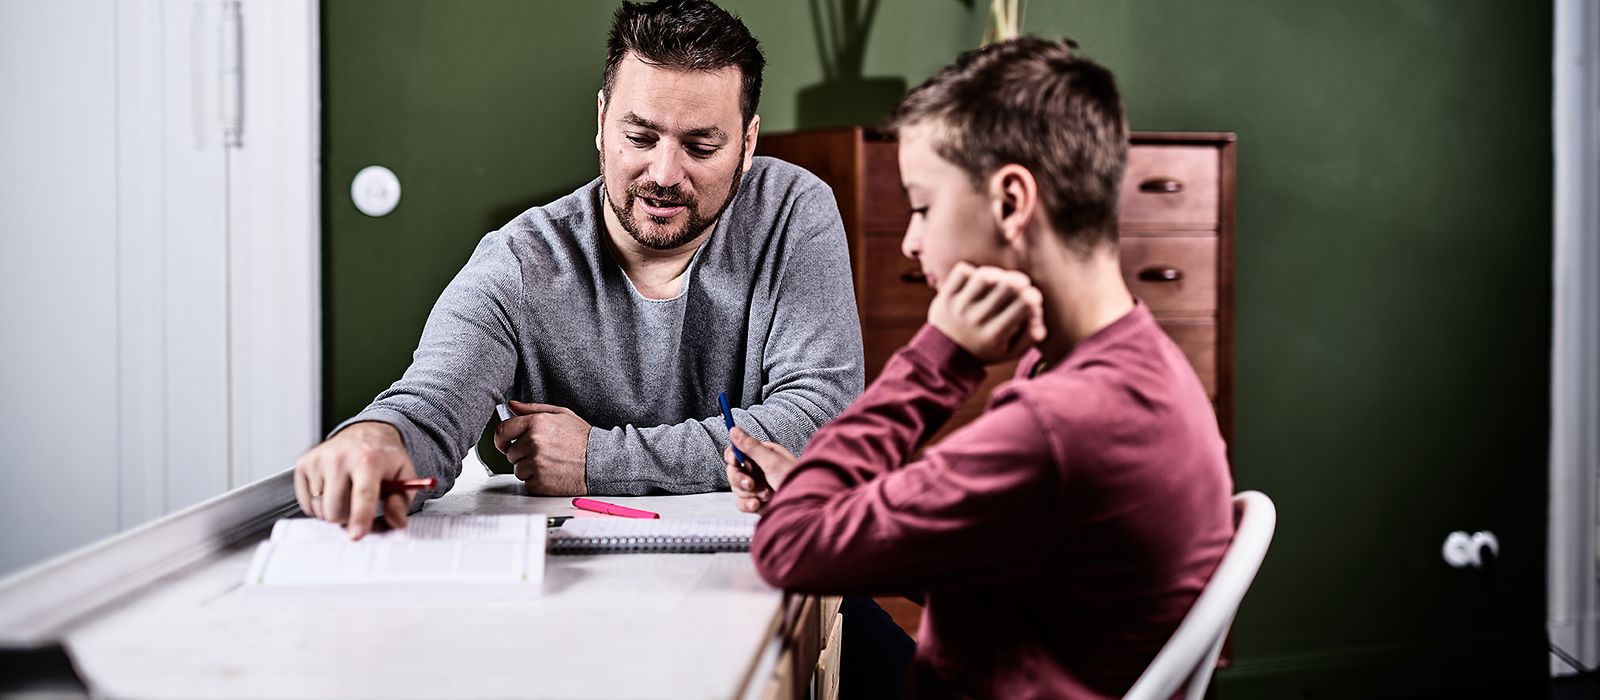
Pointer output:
702, 151
639, 140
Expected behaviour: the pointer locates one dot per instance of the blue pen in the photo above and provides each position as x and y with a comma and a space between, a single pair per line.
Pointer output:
738, 457
727, 417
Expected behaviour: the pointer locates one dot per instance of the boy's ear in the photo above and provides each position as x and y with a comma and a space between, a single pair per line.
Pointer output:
1014, 196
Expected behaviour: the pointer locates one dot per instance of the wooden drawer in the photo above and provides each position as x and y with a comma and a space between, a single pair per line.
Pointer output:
1171, 187
1198, 340
880, 342
1175, 276
893, 289
1196, 337
886, 209
906, 614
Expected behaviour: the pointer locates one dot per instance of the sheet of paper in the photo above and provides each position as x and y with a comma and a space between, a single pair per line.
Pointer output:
488, 549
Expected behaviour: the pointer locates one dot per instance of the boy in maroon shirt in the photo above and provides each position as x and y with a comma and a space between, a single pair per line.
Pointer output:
1059, 538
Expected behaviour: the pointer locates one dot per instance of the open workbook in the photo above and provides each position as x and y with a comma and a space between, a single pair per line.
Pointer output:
473, 549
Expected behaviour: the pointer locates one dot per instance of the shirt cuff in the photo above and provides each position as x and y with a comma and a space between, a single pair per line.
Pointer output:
607, 470
932, 349
412, 436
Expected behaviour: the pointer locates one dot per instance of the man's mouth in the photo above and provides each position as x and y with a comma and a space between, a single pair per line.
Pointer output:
661, 208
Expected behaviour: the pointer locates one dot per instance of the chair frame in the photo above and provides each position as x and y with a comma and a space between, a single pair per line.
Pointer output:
1187, 659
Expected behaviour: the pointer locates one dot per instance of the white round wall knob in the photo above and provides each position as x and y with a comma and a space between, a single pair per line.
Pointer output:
375, 190
1458, 550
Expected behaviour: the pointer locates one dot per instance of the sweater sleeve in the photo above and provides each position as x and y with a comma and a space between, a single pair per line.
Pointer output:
462, 367
857, 515
811, 369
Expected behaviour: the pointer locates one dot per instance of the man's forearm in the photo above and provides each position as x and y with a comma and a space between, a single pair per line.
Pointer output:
687, 457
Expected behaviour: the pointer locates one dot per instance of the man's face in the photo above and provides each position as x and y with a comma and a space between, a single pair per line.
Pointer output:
671, 150
951, 221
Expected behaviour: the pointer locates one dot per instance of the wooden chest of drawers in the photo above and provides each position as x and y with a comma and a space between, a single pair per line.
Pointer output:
1176, 230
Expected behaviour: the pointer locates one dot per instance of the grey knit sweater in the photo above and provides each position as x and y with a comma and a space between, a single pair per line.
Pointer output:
543, 313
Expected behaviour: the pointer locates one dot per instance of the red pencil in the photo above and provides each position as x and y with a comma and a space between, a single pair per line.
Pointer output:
402, 485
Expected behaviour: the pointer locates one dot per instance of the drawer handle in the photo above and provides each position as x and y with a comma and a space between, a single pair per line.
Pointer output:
913, 276
1160, 274
1161, 185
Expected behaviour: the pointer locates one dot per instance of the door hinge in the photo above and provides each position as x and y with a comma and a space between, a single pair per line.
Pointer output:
232, 74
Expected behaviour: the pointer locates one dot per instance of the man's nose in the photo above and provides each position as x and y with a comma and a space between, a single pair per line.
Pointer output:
666, 166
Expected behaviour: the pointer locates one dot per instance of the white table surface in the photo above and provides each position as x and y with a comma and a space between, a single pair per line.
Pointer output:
612, 626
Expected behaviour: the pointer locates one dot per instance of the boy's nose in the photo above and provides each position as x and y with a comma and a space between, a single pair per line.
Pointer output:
911, 244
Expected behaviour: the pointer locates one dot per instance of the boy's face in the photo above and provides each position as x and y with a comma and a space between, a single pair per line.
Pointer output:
951, 221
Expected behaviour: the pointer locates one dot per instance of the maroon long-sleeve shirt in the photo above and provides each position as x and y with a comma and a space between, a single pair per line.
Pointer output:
1057, 540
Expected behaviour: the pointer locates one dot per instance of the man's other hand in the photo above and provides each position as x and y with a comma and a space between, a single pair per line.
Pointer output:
993, 313
340, 480
772, 459
547, 447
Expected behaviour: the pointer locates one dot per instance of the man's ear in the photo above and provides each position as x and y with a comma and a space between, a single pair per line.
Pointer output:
599, 116
1014, 198
750, 134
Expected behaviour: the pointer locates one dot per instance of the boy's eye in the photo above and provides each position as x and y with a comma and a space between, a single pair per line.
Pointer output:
919, 211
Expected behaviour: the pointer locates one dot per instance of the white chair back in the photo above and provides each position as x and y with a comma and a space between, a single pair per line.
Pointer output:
1189, 656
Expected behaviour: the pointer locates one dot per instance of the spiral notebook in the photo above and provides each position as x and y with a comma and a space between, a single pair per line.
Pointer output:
676, 535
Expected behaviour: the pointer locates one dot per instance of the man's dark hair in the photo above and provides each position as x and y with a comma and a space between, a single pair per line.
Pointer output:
686, 35
1036, 103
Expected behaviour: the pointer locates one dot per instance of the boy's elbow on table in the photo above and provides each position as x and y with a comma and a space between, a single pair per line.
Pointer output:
779, 556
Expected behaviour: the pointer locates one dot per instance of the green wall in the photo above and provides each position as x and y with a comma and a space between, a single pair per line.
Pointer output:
1393, 284
1392, 315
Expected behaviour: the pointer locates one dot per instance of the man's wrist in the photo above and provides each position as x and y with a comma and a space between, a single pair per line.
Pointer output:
374, 428
588, 455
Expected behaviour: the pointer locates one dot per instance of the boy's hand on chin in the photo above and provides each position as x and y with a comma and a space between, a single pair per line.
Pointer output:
993, 313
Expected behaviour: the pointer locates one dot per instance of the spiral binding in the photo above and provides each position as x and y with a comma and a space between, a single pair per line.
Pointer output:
679, 544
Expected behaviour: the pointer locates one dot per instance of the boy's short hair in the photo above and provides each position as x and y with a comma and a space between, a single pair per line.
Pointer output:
686, 35
1036, 103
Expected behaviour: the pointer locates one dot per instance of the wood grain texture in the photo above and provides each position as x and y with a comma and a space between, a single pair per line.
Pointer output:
1189, 200
1190, 230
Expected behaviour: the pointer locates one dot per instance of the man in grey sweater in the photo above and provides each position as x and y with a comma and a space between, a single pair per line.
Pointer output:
611, 318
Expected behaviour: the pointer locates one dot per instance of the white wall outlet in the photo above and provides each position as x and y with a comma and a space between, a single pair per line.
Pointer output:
1462, 550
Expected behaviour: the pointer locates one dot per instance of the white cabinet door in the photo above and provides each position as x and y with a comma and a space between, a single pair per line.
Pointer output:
158, 339
59, 433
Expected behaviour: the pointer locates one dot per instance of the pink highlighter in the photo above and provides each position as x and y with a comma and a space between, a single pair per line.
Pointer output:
594, 506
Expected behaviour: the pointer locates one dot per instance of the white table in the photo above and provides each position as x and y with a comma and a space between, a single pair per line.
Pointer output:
613, 626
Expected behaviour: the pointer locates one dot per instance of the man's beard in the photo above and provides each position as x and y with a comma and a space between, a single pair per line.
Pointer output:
666, 240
